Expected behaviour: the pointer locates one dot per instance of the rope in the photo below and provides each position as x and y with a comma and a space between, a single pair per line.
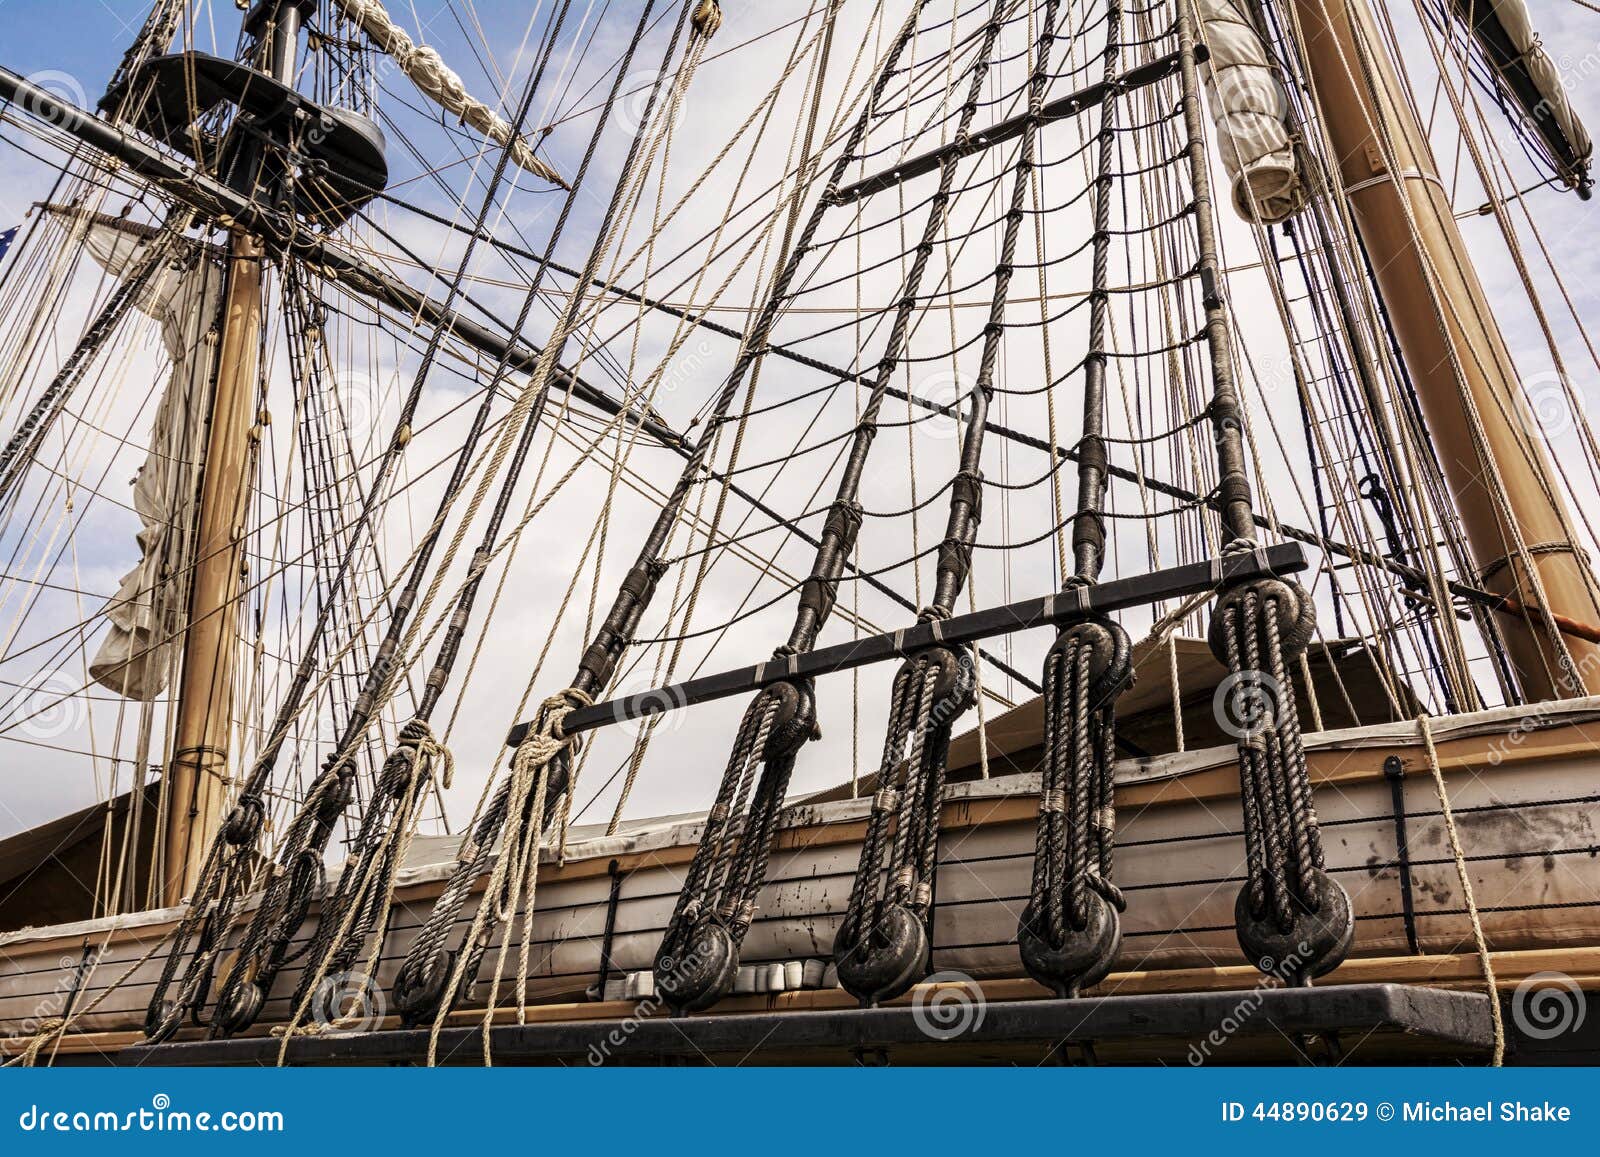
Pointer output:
516, 868
1289, 901
56, 1027
882, 944
1425, 729
360, 902
309, 831
527, 407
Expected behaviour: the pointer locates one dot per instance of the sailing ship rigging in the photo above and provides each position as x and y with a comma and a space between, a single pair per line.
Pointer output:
1083, 396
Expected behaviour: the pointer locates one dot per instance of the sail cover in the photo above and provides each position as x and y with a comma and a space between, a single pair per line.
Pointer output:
1250, 110
146, 612
1505, 32
439, 83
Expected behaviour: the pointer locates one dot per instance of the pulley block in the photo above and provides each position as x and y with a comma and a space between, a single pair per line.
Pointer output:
1318, 937
1084, 956
702, 972
883, 961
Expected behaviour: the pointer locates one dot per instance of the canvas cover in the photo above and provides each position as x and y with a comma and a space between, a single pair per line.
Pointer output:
1249, 109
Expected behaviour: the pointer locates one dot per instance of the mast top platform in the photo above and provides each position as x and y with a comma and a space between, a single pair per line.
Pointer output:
338, 153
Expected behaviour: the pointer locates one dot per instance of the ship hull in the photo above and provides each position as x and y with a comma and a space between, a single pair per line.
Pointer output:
1522, 800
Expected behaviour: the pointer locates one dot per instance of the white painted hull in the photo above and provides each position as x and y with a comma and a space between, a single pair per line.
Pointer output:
1529, 827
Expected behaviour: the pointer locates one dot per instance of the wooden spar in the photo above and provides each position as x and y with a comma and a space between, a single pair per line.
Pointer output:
1485, 433
197, 776
198, 773
1052, 610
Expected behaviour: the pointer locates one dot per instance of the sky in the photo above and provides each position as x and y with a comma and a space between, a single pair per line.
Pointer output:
536, 624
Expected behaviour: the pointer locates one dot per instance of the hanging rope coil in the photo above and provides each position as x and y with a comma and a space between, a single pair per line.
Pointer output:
298, 877
699, 955
540, 772
1293, 918
1070, 931
883, 943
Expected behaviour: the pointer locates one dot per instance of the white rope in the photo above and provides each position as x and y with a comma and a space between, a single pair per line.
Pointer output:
440, 83
1425, 728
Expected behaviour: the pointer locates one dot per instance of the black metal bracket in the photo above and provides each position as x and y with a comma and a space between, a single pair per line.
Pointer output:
1059, 109
1118, 594
1394, 770
613, 901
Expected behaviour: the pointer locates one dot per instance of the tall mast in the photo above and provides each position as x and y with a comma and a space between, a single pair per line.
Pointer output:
197, 776
1517, 527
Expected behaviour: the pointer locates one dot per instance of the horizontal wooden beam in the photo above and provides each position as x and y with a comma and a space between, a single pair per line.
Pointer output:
1453, 970
1450, 1023
1059, 109
1118, 594
216, 202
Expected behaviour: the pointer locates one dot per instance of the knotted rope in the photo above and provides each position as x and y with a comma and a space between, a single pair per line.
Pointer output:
49, 1032
431, 978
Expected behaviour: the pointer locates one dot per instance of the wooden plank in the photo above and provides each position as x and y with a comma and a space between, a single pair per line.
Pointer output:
1457, 971
1147, 801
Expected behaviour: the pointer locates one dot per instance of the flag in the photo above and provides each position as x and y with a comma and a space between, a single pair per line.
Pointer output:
7, 238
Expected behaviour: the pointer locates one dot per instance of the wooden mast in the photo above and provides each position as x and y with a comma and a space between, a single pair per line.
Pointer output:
198, 772
1487, 438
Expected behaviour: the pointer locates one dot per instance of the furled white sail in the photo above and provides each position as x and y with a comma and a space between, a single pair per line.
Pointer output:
1518, 25
439, 83
1250, 109
147, 611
